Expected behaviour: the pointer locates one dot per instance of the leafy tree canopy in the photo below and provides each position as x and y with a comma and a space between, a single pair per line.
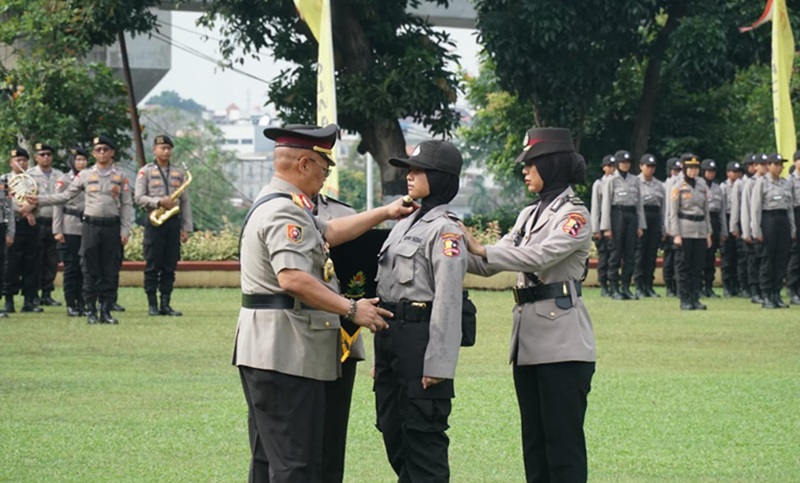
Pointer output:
174, 100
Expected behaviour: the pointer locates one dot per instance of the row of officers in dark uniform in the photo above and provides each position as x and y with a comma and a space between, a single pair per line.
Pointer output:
751, 219
84, 217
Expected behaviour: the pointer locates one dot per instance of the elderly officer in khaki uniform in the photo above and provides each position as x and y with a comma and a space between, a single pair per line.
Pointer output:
421, 267
107, 220
552, 340
690, 225
67, 229
161, 187
773, 228
287, 340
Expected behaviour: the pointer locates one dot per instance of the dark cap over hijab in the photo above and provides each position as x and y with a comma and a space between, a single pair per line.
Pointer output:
540, 141
558, 166
437, 155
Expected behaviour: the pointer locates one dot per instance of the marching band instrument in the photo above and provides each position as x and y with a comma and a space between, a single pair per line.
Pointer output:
161, 214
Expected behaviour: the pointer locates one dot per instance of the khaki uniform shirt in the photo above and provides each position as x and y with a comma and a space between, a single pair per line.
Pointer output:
619, 191
718, 203
690, 201
744, 209
771, 194
653, 194
152, 184
300, 342
108, 195
427, 262
7, 208
63, 222
555, 249
47, 186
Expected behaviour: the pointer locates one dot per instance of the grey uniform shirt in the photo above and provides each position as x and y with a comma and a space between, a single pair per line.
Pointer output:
66, 219
717, 203
795, 179
732, 192
690, 201
771, 194
7, 209
555, 248
108, 195
153, 183
426, 261
597, 202
281, 235
653, 194
619, 191
744, 208
46, 183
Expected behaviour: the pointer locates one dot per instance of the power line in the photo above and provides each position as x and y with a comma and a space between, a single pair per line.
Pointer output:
199, 34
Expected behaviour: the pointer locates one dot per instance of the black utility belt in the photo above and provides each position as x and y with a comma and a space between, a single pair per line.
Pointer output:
774, 212
628, 209
73, 212
409, 311
547, 291
715, 214
101, 221
44, 220
277, 301
652, 208
691, 217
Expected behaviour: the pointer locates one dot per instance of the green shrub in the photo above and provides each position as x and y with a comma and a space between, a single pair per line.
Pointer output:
203, 246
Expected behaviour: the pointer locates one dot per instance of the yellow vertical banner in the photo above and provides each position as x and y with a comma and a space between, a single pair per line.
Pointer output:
317, 14
782, 59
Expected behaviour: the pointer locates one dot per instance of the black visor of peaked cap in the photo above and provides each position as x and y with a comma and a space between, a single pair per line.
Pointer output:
302, 136
436, 155
545, 140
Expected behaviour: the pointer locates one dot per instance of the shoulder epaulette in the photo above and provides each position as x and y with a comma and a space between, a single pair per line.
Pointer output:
575, 200
334, 200
453, 216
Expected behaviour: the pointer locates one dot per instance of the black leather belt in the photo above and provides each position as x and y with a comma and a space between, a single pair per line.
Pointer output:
44, 221
775, 212
547, 291
409, 311
277, 301
715, 214
652, 208
101, 221
73, 212
691, 217
628, 209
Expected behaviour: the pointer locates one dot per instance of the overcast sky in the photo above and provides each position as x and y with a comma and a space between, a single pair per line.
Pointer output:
201, 80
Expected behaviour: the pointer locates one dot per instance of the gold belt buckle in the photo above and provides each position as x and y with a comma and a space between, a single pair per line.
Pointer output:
419, 305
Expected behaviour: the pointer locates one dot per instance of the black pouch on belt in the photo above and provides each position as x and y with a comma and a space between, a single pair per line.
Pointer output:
469, 321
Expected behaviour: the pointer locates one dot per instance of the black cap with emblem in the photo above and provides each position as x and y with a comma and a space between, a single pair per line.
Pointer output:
303, 136
775, 158
43, 147
436, 155
622, 156
734, 166
748, 159
760, 158
103, 141
18, 151
608, 159
163, 139
78, 151
674, 164
648, 160
545, 140
708, 165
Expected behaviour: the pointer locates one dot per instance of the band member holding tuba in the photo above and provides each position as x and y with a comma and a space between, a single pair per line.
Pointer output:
161, 190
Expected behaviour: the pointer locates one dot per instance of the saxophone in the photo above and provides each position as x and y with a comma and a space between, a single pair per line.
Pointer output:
161, 214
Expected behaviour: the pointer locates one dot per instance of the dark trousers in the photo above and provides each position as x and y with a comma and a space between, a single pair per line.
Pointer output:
22, 256
162, 250
73, 275
729, 262
793, 271
742, 263
115, 280
690, 267
670, 262
338, 395
285, 420
100, 253
623, 246
603, 245
647, 249
552, 406
412, 420
774, 250
47, 261
3, 249
710, 263
753, 268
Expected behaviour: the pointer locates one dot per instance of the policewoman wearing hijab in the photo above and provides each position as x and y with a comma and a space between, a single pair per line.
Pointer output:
67, 229
690, 225
552, 340
421, 267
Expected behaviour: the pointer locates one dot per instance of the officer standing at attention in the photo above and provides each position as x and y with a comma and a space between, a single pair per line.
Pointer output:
622, 221
7, 229
793, 271
155, 185
421, 268
671, 254
647, 249
287, 338
552, 340
690, 225
67, 229
719, 225
602, 243
773, 225
107, 221
742, 247
731, 192
47, 262
753, 259
23, 252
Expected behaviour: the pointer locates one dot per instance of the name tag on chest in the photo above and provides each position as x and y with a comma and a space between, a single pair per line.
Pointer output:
777, 197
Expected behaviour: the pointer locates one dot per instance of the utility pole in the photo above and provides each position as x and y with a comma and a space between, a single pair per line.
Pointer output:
137, 132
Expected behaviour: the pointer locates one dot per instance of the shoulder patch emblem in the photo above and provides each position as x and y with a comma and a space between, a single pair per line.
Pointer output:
452, 242
574, 224
294, 233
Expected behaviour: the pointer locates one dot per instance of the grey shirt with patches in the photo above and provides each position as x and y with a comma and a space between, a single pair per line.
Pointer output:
653, 194
771, 194
690, 201
732, 192
717, 203
744, 208
597, 202
153, 183
66, 219
46, 183
795, 179
619, 191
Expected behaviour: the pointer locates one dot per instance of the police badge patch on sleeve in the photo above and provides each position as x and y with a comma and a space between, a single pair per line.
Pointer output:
451, 244
294, 233
574, 224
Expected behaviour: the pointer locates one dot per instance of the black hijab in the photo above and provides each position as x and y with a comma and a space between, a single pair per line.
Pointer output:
558, 171
443, 188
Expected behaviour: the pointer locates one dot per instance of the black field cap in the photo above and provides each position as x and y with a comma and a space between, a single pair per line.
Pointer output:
163, 139
545, 140
689, 159
760, 158
708, 165
78, 151
437, 155
747, 159
43, 147
608, 159
775, 158
734, 166
648, 160
301, 136
18, 151
674, 163
103, 141
622, 156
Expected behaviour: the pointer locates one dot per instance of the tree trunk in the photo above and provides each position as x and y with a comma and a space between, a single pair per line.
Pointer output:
652, 76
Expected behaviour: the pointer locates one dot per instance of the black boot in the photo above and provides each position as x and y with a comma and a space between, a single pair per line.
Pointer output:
30, 306
778, 301
49, 301
641, 290
709, 291
114, 306
615, 293
9, 308
651, 292
755, 296
91, 312
744, 292
727, 289
686, 300
768, 301
74, 311
604, 292
166, 309
105, 314
696, 302
152, 304
795, 297
671, 289
626, 292
3, 314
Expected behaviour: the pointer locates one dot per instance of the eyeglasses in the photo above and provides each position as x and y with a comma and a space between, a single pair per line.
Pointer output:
326, 170
101, 149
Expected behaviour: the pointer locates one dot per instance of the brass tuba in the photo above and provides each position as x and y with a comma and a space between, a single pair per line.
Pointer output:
161, 214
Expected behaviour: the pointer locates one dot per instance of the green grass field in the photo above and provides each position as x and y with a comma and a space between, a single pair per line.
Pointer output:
677, 396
